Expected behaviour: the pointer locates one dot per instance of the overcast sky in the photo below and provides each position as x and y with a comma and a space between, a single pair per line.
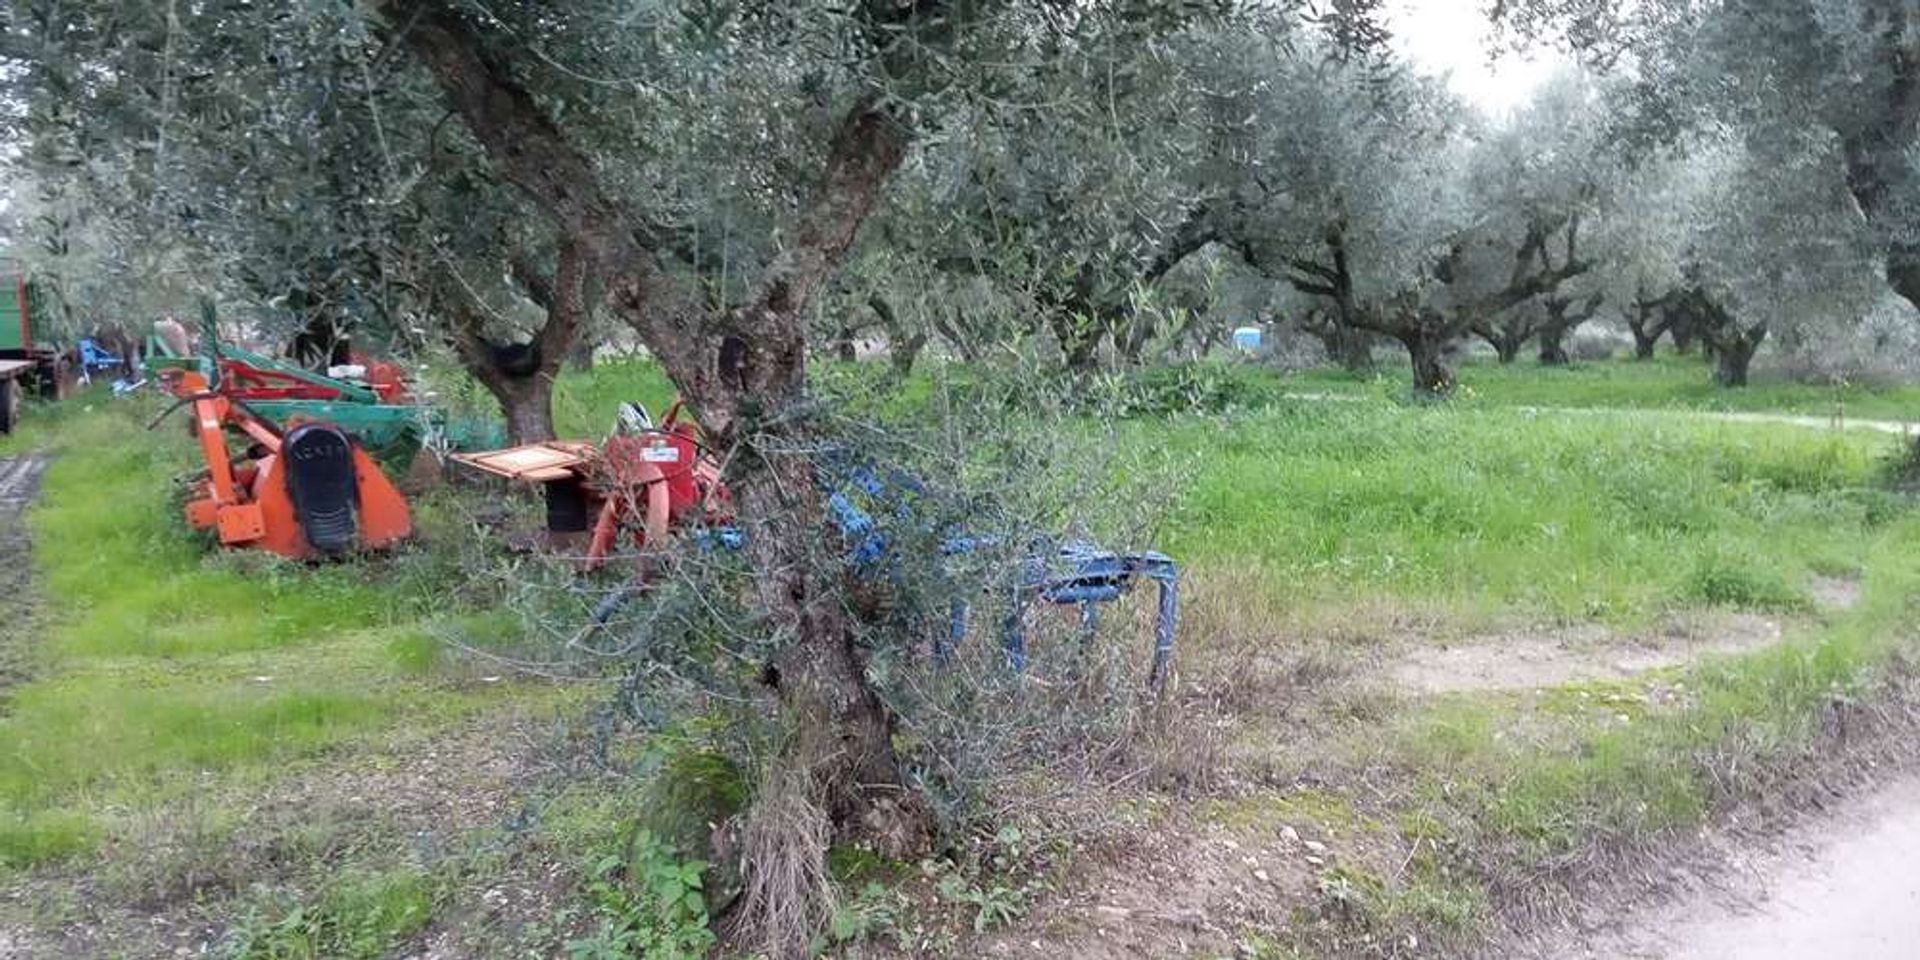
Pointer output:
1452, 37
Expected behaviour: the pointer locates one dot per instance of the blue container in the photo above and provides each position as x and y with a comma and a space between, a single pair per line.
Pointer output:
1246, 338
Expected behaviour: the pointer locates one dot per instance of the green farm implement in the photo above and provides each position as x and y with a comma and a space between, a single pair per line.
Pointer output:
372, 405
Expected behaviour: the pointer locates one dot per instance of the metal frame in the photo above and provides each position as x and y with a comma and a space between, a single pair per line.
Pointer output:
1077, 573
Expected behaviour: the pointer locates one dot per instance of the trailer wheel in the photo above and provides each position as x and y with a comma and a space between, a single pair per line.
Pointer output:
9, 405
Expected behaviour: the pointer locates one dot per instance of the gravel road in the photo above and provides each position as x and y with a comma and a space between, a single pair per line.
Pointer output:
1853, 891
1845, 885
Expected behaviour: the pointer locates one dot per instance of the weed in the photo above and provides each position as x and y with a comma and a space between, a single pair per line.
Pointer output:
647, 905
1358, 906
1261, 947
1743, 583
993, 904
873, 914
996, 886
359, 917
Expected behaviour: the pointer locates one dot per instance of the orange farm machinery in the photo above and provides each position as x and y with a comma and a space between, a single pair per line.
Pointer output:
304, 490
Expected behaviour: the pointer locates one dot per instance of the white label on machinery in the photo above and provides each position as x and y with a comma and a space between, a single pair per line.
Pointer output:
661, 454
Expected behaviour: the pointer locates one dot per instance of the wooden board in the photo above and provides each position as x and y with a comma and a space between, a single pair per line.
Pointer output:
535, 462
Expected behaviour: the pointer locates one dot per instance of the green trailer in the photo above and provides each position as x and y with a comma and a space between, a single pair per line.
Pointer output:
391, 433
31, 360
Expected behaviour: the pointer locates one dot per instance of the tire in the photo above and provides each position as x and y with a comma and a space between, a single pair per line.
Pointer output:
9, 405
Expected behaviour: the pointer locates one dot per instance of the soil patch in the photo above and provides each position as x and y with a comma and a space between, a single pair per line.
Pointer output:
1185, 888
1533, 657
1837, 886
172, 882
19, 484
1834, 593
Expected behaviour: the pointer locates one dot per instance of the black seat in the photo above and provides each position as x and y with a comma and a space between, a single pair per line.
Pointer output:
322, 486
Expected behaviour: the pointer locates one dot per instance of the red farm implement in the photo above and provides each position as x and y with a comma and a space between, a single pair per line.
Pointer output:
634, 489
647, 483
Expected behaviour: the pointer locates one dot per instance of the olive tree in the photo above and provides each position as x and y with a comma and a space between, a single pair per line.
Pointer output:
549, 96
270, 156
1771, 68
1343, 179
1550, 164
1746, 240
1374, 191
1077, 208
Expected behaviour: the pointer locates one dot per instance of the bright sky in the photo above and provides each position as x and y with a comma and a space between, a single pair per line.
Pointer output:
1452, 38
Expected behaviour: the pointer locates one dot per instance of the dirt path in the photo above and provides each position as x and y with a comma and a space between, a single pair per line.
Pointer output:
1895, 427
1547, 656
19, 482
1843, 887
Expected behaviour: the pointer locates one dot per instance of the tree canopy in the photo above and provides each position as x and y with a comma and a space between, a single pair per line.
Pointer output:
739, 188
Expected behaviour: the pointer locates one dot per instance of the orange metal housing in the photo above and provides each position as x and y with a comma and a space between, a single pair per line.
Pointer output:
247, 504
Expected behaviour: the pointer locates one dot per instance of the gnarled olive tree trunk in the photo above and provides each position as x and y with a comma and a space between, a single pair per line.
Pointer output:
1340, 341
1431, 373
1729, 344
1352, 348
1877, 139
743, 368
1506, 340
1553, 348
1648, 321
1733, 355
520, 376
1563, 317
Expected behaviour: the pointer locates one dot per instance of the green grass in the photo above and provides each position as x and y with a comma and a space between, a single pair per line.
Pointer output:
167, 670
1668, 769
584, 403
1611, 516
1667, 382
1617, 516
359, 916
160, 662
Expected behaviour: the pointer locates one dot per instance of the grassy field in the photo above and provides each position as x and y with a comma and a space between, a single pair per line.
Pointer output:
1667, 382
164, 670
1606, 517
170, 682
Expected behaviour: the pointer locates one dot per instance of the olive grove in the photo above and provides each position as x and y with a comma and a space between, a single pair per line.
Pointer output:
747, 189
1828, 88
